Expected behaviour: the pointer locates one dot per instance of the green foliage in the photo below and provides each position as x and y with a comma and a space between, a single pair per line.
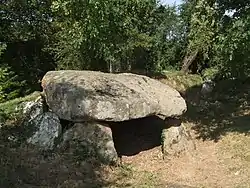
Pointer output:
102, 35
168, 39
25, 31
3, 116
210, 73
2, 77
221, 40
232, 48
2, 48
24, 20
118, 36
180, 81
9, 87
203, 28
10, 110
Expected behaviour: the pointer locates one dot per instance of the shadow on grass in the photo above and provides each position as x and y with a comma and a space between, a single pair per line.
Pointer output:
227, 109
25, 166
28, 167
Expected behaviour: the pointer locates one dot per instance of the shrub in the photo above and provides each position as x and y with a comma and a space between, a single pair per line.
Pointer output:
9, 85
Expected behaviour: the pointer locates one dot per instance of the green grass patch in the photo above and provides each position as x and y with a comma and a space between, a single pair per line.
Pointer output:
181, 81
128, 176
10, 111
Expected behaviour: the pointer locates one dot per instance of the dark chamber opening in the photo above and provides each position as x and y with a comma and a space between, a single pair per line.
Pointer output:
133, 136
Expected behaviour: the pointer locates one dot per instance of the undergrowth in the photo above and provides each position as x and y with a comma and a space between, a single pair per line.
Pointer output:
10, 110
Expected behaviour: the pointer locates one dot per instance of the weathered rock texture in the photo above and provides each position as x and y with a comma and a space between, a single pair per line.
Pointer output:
46, 129
93, 103
32, 109
91, 139
41, 128
176, 139
81, 95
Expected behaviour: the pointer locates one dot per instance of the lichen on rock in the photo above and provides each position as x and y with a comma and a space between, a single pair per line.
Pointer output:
90, 139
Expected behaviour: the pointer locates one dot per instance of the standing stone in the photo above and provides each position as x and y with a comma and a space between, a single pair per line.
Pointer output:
46, 129
176, 139
91, 139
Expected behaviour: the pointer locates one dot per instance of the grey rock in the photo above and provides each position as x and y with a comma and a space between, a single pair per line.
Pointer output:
90, 139
42, 128
32, 109
207, 88
81, 95
46, 129
176, 140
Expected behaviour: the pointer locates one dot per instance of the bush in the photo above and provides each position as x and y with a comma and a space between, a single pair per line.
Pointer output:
210, 73
9, 86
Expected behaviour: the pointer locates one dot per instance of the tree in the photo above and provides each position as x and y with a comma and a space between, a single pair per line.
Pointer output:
25, 30
232, 47
201, 35
168, 39
100, 34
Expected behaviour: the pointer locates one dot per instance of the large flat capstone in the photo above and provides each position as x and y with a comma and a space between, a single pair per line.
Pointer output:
89, 95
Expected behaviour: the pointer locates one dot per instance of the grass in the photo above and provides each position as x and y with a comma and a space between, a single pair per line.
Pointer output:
227, 109
10, 106
10, 110
131, 177
220, 124
234, 153
236, 146
180, 81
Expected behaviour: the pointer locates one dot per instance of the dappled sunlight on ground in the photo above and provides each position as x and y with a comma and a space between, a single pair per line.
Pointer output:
226, 110
219, 124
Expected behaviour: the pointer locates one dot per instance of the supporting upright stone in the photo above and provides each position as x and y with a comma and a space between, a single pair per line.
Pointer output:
47, 129
176, 139
91, 139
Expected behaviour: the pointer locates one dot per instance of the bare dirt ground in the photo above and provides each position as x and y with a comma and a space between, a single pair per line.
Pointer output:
220, 126
225, 164
209, 166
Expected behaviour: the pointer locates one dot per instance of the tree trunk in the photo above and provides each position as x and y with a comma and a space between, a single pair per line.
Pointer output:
110, 67
188, 60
